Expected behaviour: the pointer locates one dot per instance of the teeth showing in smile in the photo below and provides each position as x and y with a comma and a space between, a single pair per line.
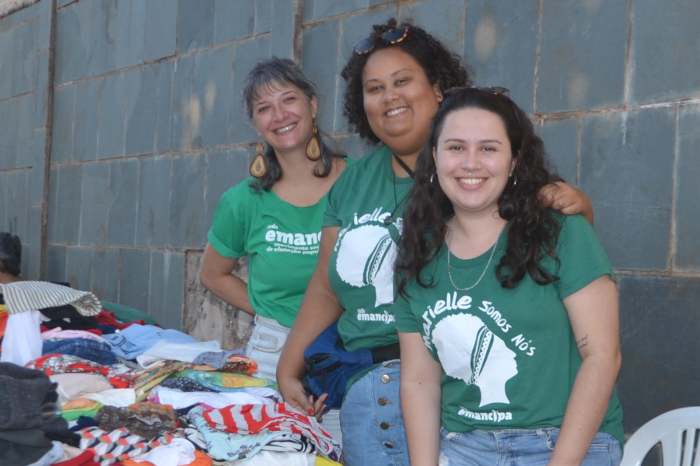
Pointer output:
471, 180
396, 111
285, 129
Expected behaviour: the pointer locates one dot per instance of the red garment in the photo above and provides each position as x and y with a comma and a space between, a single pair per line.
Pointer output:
279, 417
52, 364
84, 459
3, 322
108, 318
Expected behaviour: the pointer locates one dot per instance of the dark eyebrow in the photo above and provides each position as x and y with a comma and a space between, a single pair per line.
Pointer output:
482, 141
260, 102
392, 74
399, 71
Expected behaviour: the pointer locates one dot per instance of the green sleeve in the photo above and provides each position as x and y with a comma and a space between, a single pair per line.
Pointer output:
406, 320
229, 229
581, 256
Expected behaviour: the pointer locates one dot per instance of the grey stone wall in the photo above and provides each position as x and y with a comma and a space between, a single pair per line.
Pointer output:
148, 131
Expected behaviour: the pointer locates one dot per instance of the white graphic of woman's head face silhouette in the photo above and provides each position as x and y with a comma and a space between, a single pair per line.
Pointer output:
469, 351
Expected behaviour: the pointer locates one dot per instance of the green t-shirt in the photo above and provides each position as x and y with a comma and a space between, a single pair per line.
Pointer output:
509, 356
283, 243
361, 266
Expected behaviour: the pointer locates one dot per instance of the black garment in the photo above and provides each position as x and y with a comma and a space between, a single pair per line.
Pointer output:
22, 447
68, 318
27, 397
28, 419
186, 385
83, 422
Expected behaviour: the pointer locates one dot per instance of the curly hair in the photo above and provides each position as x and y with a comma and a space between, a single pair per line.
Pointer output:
265, 75
10, 253
440, 65
533, 229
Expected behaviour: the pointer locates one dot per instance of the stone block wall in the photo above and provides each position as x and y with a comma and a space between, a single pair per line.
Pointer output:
148, 130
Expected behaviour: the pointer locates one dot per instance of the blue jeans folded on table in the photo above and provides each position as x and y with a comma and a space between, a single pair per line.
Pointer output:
136, 339
520, 447
92, 350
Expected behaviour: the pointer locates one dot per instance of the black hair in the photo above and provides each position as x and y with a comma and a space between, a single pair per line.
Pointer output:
265, 75
440, 65
10, 253
533, 229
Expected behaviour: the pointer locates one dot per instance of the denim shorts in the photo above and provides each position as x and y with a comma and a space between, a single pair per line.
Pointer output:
371, 421
92, 350
265, 346
519, 447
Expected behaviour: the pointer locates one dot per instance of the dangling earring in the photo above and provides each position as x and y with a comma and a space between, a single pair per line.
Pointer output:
313, 148
259, 167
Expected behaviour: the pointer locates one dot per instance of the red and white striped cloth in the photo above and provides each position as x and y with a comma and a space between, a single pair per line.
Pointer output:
279, 417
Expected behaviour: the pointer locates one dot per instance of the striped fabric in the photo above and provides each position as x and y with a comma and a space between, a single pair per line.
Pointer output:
28, 296
280, 417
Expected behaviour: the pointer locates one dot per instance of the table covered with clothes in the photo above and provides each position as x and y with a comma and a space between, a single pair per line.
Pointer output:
79, 386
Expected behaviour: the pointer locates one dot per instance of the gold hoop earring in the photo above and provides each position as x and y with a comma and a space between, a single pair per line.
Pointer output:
258, 168
313, 148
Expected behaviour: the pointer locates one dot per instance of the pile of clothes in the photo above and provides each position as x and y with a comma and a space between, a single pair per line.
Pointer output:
78, 386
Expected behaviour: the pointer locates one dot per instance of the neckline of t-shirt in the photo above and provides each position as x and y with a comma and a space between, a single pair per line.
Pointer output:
478, 260
296, 206
389, 172
319, 201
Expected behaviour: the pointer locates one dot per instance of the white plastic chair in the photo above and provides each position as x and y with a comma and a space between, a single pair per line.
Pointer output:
668, 429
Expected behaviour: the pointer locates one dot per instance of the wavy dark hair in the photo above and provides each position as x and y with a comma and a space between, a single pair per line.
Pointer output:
440, 65
10, 253
264, 76
533, 229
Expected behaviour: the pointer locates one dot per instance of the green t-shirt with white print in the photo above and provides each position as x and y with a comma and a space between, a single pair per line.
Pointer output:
509, 356
282, 240
361, 269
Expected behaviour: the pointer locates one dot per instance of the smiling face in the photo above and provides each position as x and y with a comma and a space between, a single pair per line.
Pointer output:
473, 159
283, 116
399, 100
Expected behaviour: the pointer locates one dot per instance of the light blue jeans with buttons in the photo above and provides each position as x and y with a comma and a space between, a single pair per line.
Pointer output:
519, 447
371, 421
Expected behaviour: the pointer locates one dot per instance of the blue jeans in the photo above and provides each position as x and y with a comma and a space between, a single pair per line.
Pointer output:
92, 350
519, 447
371, 421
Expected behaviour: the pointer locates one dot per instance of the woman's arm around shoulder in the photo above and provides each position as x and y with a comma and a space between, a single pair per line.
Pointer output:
319, 309
594, 315
420, 400
567, 199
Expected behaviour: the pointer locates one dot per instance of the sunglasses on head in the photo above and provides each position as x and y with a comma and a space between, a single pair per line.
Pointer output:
392, 36
490, 90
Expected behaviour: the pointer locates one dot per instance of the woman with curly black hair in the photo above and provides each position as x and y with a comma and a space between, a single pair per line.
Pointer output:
395, 83
507, 311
